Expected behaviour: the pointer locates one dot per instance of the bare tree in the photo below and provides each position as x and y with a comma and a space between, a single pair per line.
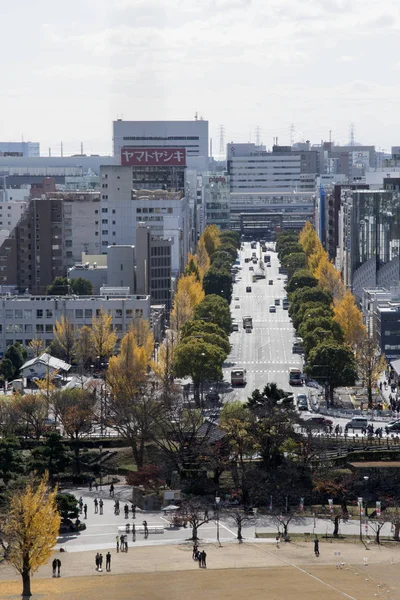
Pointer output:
196, 514
240, 517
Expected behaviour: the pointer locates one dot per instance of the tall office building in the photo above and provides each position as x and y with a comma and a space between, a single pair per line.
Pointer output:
370, 239
19, 149
150, 135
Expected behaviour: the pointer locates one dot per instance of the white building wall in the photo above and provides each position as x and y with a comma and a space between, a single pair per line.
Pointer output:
22, 318
192, 135
81, 233
121, 267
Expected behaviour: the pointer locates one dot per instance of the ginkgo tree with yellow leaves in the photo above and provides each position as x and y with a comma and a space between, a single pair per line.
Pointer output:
30, 529
349, 317
188, 295
132, 403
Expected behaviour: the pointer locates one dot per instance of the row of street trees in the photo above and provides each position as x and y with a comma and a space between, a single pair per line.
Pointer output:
337, 348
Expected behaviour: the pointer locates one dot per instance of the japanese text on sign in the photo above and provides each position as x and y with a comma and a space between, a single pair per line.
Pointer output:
145, 157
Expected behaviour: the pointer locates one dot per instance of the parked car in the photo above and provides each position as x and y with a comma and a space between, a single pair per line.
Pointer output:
394, 426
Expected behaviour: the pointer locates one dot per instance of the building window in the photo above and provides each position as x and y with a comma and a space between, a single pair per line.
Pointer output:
118, 313
39, 328
79, 313
49, 328
39, 313
27, 314
9, 314
18, 313
104, 210
28, 328
49, 313
88, 313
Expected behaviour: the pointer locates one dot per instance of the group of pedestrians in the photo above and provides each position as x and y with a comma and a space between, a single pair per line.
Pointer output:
122, 543
82, 507
98, 504
99, 561
200, 556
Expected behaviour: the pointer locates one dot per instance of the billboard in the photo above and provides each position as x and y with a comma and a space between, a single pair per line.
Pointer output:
153, 157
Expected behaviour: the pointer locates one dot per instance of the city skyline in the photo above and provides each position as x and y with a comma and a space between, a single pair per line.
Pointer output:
320, 65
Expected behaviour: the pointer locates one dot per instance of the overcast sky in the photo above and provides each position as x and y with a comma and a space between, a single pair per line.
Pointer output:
70, 68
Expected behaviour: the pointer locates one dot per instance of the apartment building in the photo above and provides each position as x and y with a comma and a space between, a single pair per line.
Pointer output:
50, 236
153, 266
25, 317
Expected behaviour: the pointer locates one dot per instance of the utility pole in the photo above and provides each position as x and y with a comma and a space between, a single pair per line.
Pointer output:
221, 141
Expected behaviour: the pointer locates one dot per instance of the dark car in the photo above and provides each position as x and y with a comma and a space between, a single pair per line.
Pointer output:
248, 288
394, 426
318, 421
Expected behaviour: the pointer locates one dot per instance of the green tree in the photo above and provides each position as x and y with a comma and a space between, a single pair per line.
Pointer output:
81, 287
197, 328
301, 279
17, 354
67, 505
311, 310
232, 237
287, 249
262, 401
218, 282
7, 369
192, 268
310, 324
285, 238
215, 309
60, 286
200, 361
315, 337
11, 462
332, 364
52, 456
294, 262
305, 296
221, 260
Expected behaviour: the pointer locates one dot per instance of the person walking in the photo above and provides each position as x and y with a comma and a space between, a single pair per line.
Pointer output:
96, 506
126, 511
90, 485
195, 550
206, 515
58, 567
146, 529
54, 565
80, 504
117, 542
204, 557
101, 562
97, 561
112, 490
85, 510
316, 547
122, 543
101, 504
133, 511
96, 485
133, 532
108, 561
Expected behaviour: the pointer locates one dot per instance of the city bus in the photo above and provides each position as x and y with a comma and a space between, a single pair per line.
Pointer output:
295, 377
238, 377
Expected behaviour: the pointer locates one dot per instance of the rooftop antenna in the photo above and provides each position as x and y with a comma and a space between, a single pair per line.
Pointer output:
211, 147
62, 150
196, 116
292, 130
330, 136
221, 140
352, 134
81, 148
258, 136
49, 151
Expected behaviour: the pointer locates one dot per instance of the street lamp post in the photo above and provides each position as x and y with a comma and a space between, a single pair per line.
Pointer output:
360, 503
217, 501
366, 478
101, 478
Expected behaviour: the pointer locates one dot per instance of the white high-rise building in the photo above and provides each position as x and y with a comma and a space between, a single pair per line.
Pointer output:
191, 135
122, 208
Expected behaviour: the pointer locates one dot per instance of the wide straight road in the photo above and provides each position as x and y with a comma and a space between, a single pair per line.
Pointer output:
266, 352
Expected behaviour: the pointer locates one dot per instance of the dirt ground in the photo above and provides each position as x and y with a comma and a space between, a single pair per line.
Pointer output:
234, 572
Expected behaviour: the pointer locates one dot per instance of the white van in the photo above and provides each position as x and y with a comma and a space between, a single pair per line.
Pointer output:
357, 423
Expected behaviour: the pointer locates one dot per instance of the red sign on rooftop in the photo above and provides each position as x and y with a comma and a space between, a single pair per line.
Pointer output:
152, 157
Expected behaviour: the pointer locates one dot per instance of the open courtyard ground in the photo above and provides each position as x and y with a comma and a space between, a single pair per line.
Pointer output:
234, 572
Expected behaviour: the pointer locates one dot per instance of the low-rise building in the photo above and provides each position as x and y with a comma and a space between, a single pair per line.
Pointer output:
25, 317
